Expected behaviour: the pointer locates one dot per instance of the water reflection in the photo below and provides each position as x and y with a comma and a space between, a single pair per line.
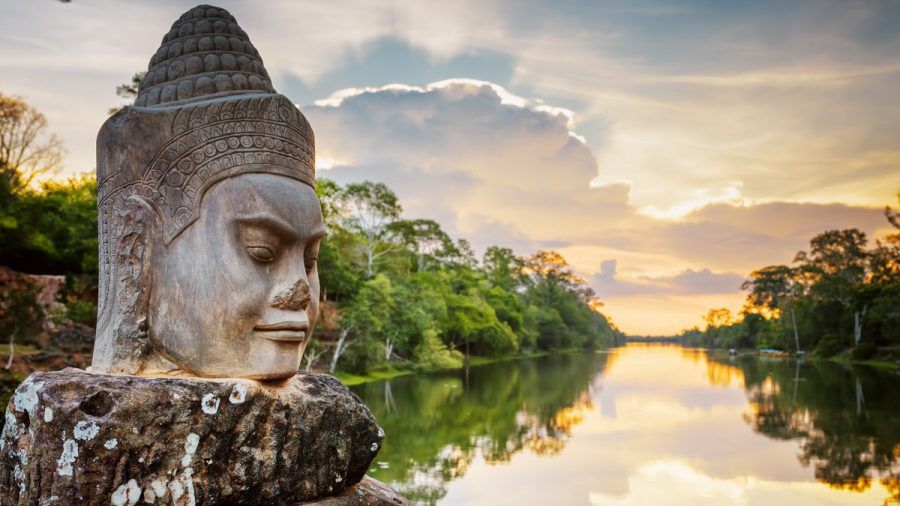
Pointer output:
846, 419
650, 424
437, 424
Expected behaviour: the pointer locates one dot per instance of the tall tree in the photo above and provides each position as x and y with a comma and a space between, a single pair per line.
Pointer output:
365, 318
774, 288
425, 238
370, 209
840, 253
27, 150
503, 267
551, 274
463, 254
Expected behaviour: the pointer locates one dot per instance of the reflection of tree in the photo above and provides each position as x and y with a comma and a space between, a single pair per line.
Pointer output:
845, 419
437, 424
723, 375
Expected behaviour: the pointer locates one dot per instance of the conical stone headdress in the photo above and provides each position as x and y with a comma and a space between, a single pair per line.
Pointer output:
205, 111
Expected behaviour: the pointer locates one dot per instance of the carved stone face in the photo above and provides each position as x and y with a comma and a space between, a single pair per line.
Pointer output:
236, 293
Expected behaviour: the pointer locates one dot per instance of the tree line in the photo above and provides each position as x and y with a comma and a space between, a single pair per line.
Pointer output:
395, 291
843, 293
404, 290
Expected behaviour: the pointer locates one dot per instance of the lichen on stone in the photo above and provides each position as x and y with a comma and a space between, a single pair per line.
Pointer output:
67, 458
238, 394
26, 397
85, 430
210, 404
127, 493
190, 448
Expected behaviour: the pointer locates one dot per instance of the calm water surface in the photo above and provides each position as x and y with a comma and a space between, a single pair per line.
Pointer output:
640, 425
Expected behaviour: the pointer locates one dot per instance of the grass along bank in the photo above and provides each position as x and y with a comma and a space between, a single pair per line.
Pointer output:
385, 373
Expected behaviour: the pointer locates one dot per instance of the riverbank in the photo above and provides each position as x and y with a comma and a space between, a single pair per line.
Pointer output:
379, 374
889, 359
886, 360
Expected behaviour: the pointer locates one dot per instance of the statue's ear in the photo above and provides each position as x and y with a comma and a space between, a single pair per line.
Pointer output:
138, 238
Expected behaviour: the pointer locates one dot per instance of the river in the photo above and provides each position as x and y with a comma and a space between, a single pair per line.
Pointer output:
642, 424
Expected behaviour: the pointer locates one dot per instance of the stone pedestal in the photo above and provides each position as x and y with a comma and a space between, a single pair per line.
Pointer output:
368, 492
72, 437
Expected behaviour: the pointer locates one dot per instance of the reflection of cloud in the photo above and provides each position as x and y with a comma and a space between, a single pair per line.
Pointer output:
677, 483
607, 403
660, 482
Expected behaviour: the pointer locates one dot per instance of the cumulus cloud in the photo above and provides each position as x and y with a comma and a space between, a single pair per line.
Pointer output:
802, 108
466, 152
498, 168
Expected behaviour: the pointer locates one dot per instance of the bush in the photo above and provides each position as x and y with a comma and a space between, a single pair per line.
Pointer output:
431, 353
831, 344
362, 356
20, 313
81, 311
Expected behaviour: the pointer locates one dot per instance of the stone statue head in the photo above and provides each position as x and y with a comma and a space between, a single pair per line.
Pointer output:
209, 221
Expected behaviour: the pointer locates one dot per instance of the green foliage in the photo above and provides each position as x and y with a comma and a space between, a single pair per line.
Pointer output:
403, 290
830, 344
839, 287
128, 90
367, 318
52, 230
431, 353
490, 412
503, 268
406, 291
20, 313
369, 211
81, 311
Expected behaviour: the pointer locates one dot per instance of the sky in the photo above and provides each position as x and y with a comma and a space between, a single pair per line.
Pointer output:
666, 149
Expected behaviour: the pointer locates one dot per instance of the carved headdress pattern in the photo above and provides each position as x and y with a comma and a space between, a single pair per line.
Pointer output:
205, 111
204, 53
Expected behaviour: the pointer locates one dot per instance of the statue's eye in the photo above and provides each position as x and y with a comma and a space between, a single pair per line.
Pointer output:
261, 253
310, 264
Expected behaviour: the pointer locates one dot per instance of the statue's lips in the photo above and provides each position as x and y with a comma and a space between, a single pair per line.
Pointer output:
282, 331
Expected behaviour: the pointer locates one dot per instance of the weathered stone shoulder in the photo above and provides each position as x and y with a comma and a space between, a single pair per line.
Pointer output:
72, 437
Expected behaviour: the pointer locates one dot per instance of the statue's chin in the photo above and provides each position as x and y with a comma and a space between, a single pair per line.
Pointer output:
280, 366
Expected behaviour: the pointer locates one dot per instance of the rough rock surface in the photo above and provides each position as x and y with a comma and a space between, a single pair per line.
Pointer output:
72, 437
368, 492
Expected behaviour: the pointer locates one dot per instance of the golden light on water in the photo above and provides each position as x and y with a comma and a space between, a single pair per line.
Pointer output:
650, 430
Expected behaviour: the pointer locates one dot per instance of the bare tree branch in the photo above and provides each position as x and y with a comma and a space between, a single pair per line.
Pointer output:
26, 149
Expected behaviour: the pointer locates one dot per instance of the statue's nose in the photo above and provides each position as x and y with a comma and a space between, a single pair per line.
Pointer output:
295, 298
